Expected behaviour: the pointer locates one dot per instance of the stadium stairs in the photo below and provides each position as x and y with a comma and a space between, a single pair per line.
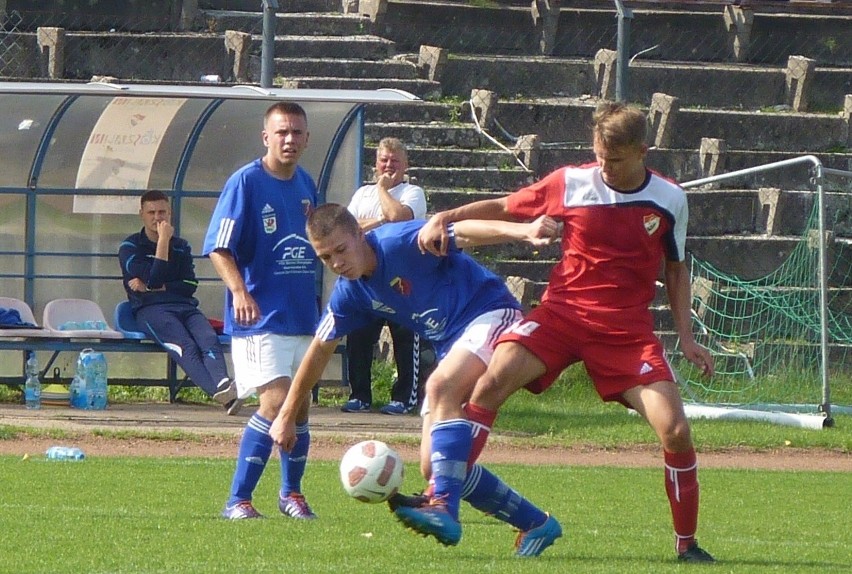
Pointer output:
742, 101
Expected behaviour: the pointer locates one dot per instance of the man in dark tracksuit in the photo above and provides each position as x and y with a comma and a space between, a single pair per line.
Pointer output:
159, 277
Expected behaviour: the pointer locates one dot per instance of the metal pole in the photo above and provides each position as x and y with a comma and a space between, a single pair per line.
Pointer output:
267, 55
823, 296
622, 60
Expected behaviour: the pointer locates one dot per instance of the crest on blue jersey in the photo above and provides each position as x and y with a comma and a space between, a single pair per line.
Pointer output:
307, 207
270, 224
403, 286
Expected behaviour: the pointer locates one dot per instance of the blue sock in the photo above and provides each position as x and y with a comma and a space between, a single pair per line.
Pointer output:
293, 463
487, 493
451, 441
255, 448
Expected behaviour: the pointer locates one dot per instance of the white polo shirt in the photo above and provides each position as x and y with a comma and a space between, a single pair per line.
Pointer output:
365, 202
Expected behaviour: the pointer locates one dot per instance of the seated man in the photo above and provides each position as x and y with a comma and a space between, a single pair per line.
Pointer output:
159, 277
460, 307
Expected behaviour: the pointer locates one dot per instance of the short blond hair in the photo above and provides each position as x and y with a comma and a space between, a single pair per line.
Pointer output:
393, 145
616, 124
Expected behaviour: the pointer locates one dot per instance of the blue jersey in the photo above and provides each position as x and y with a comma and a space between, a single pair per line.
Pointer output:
261, 220
435, 296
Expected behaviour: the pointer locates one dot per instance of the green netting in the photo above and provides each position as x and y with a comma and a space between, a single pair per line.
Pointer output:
765, 334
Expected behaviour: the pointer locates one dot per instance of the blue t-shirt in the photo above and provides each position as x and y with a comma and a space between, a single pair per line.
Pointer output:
435, 296
261, 219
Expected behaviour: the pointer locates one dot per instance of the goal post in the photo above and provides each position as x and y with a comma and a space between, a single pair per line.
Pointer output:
780, 340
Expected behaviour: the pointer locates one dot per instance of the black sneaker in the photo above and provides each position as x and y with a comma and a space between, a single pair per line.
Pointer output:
413, 501
226, 392
695, 554
233, 407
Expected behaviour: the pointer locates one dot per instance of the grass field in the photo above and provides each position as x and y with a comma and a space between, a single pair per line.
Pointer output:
146, 515
118, 515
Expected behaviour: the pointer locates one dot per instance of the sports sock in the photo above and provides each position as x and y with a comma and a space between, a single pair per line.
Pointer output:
254, 451
293, 463
450, 447
481, 421
682, 490
487, 493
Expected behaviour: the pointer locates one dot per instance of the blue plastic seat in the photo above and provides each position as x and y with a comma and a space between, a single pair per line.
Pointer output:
126, 323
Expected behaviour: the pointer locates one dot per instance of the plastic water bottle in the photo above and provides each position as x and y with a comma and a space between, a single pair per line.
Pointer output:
64, 453
78, 397
32, 386
96, 376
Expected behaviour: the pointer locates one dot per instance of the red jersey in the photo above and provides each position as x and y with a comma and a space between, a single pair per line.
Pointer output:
613, 242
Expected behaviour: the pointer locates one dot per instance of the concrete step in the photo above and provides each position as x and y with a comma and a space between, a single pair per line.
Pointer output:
451, 157
414, 112
479, 178
436, 134
420, 88
681, 35
747, 257
441, 199
291, 24
363, 47
283, 5
566, 120
346, 68
736, 86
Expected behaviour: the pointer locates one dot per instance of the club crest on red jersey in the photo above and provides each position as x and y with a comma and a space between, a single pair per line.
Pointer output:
651, 223
403, 286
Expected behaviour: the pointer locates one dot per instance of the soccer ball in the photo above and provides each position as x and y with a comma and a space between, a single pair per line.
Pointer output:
371, 471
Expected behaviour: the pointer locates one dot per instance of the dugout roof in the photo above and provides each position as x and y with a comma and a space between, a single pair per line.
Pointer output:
76, 158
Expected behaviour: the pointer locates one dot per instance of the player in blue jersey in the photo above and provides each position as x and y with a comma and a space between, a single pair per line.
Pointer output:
256, 241
456, 304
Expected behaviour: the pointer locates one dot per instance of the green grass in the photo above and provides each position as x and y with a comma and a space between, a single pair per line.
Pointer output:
568, 414
147, 515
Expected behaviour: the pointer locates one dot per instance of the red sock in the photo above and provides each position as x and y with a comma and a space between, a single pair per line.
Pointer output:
481, 420
682, 490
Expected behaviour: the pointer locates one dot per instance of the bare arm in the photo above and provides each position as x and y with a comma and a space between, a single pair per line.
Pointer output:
283, 429
680, 300
433, 236
391, 208
246, 309
474, 232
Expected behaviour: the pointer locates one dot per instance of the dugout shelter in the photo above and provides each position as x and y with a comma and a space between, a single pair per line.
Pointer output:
76, 158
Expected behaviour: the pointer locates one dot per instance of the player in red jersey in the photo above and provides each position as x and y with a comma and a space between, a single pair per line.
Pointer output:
622, 224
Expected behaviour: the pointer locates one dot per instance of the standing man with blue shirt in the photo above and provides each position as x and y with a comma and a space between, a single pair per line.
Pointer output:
455, 303
256, 241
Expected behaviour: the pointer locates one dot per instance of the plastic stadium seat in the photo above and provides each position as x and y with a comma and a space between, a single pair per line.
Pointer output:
126, 323
77, 319
26, 315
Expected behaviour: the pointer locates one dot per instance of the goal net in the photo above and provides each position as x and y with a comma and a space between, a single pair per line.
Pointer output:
776, 347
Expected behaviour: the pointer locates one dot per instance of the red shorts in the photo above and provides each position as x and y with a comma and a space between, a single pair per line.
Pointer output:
618, 348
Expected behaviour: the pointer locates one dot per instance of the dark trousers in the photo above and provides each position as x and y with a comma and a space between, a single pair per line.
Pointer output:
406, 352
186, 335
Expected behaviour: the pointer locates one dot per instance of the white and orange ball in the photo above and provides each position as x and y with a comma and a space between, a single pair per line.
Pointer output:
371, 471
